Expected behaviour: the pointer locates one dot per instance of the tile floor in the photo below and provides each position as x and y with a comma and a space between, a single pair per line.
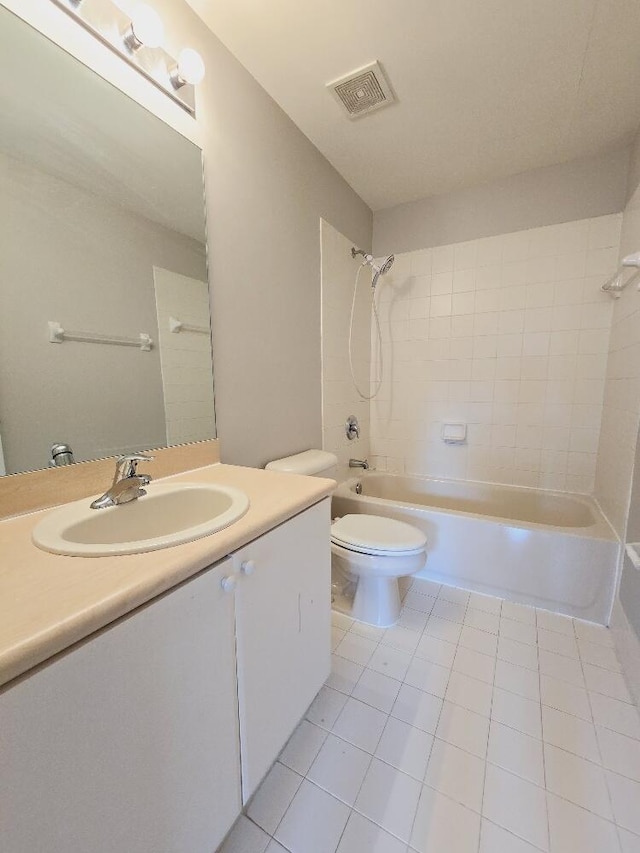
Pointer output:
473, 726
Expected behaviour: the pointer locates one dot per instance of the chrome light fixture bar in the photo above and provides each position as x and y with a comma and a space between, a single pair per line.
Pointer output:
139, 41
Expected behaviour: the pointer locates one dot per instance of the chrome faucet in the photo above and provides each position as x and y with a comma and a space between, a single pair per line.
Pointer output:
359, 463
127, 484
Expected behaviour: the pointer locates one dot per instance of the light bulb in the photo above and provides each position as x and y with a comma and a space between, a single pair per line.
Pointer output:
146, 28
190, 68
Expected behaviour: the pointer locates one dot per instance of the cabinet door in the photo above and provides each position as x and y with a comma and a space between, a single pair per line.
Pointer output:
129, 742
283, 618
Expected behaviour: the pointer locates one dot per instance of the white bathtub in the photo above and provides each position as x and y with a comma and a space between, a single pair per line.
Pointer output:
547, 549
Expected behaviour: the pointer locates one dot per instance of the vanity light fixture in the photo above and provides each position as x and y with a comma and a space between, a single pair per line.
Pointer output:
189, 69
145, 30
138, 39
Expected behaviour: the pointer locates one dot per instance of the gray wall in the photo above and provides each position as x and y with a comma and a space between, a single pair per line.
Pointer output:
69, 256
580, 189
633, 179
267, 188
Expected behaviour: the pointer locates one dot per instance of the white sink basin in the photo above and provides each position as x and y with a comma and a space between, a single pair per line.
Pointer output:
170, 514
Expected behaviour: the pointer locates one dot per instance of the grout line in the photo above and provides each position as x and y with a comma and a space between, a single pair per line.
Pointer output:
513, 835
606, 781
486, 762
270, 837
412, 656
497, 658
437, 725
544, 760
302, 778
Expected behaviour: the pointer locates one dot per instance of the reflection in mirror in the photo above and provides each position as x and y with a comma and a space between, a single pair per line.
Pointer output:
102, 233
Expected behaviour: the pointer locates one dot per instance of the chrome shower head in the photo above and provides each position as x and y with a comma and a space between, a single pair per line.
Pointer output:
383, 269
378, 269
387, 264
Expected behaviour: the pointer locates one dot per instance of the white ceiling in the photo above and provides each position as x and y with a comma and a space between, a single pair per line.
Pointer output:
486, 88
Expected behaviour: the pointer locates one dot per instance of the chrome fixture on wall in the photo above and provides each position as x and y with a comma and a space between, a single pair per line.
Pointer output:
352, 428
359, 463
61, 454
58, 335
145, 30
139, 41
616, 284
378, 269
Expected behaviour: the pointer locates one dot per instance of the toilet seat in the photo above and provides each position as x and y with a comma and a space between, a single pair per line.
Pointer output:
378, 536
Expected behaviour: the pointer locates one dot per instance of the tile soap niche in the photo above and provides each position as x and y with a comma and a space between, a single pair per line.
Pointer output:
454, 433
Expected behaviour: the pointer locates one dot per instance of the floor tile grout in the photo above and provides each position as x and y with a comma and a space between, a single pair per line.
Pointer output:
458, 614
486, 763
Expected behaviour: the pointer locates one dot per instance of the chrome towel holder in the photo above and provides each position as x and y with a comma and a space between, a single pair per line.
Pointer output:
58, 335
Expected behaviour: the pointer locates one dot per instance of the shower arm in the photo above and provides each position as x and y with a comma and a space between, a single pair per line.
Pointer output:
355, 252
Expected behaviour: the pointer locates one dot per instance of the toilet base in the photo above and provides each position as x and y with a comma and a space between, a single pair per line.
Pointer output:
377, 601
374, 601
376, 597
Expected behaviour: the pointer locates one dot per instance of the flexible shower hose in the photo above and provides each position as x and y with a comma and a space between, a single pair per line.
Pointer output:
379, 334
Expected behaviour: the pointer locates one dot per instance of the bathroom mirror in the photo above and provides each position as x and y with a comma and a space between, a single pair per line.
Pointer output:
103, 238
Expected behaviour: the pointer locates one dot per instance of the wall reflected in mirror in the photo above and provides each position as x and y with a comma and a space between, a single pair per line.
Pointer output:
103, 232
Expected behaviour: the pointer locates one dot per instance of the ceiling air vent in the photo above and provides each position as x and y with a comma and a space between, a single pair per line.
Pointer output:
362, 91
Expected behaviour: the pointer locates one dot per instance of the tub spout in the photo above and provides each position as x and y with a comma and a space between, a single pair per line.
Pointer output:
359, 463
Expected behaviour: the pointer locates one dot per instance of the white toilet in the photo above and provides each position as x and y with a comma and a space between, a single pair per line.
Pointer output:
369, 550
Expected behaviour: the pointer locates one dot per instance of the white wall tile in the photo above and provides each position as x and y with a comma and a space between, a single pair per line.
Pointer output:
511, 321
621, 414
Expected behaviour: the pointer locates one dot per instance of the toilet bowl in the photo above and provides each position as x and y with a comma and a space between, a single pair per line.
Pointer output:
368, 552
375, 552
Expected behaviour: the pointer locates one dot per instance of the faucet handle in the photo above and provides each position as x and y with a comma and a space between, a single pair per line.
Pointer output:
127, 466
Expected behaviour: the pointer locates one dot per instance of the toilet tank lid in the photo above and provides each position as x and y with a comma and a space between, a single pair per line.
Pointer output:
307, 462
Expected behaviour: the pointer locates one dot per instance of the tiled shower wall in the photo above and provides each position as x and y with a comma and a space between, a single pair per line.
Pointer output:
339, 397
621, 415
508, 335
618, 473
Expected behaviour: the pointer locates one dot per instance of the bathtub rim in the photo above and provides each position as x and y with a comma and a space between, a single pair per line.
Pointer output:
601, 529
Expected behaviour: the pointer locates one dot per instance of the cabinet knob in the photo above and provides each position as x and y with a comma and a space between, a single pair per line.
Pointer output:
248, 567
228, 584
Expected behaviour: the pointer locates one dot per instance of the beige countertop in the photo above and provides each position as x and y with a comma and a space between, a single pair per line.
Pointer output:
49, 602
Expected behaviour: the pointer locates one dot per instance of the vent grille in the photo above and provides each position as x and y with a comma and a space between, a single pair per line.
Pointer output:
362, 91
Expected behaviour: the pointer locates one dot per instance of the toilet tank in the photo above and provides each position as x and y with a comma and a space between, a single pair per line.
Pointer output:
314, 463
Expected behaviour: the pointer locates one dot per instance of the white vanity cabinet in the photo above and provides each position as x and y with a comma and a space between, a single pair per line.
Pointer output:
147, 737
283, 616
129, 742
